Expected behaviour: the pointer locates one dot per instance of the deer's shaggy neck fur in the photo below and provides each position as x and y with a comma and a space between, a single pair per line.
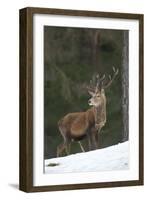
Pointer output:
100, 112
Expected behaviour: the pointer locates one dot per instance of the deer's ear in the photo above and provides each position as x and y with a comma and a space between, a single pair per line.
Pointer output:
91, 93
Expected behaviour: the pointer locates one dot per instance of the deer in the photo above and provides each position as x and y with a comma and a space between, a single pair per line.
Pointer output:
87, 124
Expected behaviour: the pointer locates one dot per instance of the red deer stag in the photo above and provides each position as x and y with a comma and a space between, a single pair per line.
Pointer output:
77, 126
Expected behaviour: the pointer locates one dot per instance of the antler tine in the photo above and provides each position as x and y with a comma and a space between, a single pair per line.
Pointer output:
91, 86
101, 81
97, 76
111, 77
97, 82
102, 78
90, 82
113, 68
115, 71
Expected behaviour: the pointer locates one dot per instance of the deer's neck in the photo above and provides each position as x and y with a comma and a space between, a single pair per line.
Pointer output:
100, 113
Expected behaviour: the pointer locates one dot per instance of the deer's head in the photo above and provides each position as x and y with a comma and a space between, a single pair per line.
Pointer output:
97, 88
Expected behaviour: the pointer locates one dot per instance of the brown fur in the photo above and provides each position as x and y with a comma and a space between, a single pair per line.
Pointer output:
76, 124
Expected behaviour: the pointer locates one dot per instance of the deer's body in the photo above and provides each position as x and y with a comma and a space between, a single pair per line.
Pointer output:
79, 125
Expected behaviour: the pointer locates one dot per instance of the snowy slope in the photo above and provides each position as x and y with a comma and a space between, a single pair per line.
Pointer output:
111, 158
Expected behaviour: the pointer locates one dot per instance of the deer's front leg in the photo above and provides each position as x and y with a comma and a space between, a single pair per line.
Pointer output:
93, 139
97, 132
89, 138
96, 140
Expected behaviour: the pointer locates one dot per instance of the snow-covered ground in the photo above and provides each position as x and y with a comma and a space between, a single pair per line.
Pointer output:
111, 158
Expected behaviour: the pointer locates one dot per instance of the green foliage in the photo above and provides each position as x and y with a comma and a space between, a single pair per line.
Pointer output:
69, 64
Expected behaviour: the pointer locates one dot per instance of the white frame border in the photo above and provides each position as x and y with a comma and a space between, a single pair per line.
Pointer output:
41, 179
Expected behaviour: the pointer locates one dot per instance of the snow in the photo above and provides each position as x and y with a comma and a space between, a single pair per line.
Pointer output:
115, 157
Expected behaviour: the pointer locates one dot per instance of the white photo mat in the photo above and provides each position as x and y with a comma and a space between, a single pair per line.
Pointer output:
39, 177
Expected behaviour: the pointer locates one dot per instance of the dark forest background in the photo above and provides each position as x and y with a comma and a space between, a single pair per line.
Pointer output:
71, 57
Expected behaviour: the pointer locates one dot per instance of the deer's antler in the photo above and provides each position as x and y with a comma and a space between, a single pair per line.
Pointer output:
111, 78
97, 82
94, 83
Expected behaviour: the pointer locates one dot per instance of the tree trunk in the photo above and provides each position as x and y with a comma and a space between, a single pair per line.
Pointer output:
125, 87
95, 41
